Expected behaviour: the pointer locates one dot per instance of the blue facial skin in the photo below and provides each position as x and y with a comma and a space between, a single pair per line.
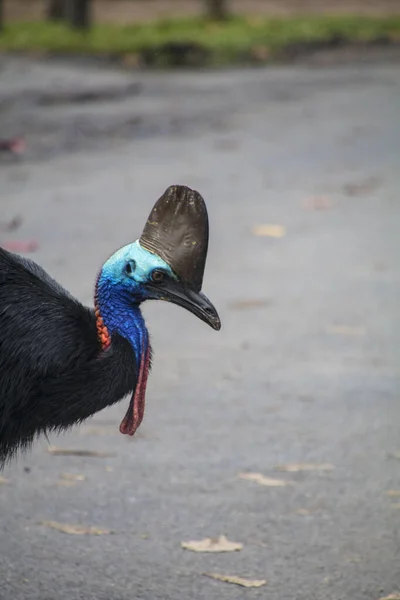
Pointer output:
121, 289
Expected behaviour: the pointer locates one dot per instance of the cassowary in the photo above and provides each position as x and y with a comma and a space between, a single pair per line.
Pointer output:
61, 362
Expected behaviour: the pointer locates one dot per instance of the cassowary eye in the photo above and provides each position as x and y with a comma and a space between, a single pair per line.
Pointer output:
130, 267
157, 276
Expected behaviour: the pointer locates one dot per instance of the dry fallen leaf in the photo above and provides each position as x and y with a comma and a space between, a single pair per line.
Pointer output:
317, 203
3, 480
393, 493
303, 511
276, 231
394, 596
70, 452
251, 303
72, 477
220, 544
353, 559
345, 330
76, 529
248, 583
296, 467
262, 480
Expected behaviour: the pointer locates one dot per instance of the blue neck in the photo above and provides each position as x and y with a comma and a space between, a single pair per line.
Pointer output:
121, 314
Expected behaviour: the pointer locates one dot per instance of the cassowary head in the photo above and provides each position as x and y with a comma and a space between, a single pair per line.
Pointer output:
168, 261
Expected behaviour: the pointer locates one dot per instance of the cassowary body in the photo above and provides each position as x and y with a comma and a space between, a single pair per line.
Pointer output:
61, 362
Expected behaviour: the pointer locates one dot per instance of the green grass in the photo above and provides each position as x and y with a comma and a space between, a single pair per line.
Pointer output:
226, 42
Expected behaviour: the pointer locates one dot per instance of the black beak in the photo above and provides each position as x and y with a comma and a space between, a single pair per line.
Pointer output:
195, 302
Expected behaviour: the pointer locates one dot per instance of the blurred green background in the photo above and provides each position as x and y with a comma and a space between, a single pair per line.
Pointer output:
195, 32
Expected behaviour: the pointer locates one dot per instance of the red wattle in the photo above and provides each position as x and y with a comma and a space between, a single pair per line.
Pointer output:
135, 413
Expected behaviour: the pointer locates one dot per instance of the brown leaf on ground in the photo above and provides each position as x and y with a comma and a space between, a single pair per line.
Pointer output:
3, 480
275, 231
71, 452
345, 330
297, 467
220, 544
393, 493
250, 303
75, 529
393, 596
72, 477
248, 583
303, 511
317, 203
353, 559
262, 480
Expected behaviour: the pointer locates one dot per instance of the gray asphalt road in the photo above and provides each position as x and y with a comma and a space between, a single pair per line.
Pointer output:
305, 369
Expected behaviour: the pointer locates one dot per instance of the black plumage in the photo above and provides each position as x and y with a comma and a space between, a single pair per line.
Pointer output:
61, 362
53, 371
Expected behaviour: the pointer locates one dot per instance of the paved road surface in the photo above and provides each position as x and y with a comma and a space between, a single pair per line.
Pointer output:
305, 369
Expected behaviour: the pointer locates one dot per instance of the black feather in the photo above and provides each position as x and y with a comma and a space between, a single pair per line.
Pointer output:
53, 372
